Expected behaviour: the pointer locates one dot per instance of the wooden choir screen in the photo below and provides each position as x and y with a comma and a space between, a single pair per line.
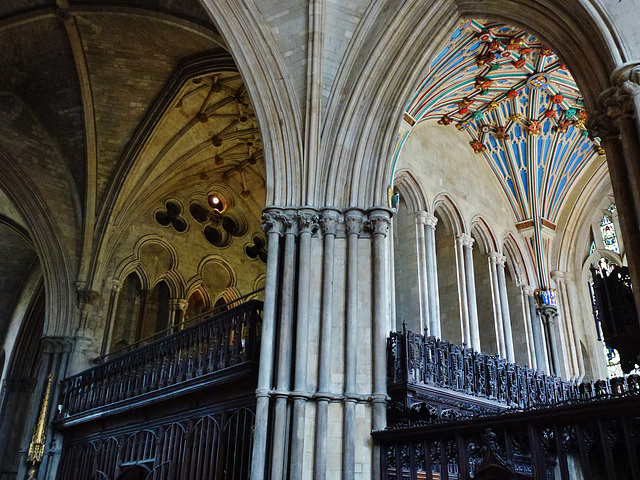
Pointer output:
206, 447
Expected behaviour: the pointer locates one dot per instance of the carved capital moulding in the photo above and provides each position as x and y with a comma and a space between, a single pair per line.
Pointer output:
308, 220
617, 102
354, 220
379, 220
326, 221
330, 221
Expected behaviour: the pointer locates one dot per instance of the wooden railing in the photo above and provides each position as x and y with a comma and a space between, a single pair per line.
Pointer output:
419, 360
586, 439
224, 340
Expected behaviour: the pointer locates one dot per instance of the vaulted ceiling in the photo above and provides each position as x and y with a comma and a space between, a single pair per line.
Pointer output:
524, 115
78, 83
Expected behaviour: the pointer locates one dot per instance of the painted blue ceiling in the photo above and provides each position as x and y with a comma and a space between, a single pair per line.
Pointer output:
520, 107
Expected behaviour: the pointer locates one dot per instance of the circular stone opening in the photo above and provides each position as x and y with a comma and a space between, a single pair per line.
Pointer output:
216, 202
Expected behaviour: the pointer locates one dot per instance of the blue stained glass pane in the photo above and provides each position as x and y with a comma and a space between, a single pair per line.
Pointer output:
609, 237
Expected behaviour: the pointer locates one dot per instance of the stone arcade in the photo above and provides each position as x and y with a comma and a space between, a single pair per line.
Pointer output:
323, 178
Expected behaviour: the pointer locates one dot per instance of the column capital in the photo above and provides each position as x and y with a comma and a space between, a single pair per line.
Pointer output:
616, 104
421, 217
568, 277
379, 221
329, 221
558, 277
627, 76
528, 290
57, 344
431, 220
272, 221
497, 258
182, 304
465, 239
289, 220
116, 285
354, 221
308, 220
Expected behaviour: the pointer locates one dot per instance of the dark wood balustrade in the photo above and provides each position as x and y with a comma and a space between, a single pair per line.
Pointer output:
592, 438
418, 360
227, 339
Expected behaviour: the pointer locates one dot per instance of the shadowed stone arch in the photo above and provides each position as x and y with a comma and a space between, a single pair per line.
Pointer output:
411, 191
48, 242
483, 234
452, 220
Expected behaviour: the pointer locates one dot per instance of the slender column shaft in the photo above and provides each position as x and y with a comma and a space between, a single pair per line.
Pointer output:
577, 325
504, 305
353, 219
474, 330
379, 220
497, 305
329, 225
307, 220
568, 345
552, 352
526, 317
423, 287
538, 337
462, 291
285, 337
273, 227
432, 276
111, 316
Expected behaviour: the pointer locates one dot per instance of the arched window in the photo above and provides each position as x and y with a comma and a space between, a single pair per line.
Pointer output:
609, 237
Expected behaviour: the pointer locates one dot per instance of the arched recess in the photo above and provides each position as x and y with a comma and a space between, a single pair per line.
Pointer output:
515, 277
19, 383
128, 311
408, 255
484, 243
366, 105
53, 255
449, 225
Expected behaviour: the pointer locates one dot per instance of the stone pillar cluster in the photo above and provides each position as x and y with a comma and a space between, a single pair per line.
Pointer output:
428, 273
312, 339
618, 126
500, 299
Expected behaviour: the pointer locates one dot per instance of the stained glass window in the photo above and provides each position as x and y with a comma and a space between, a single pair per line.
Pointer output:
592, 248
609, 237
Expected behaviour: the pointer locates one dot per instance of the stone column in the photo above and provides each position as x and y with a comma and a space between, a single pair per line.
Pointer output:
55, 358
285, 350
423, 282
539, 345
272, 225
474, 330
566, 325
549, 319
504, 305
526, 316
329, 224
577, 327
379, 220
116, 287
178, 313
354, 222
432, 275
617, 125
462, 290
307, 224
497, 305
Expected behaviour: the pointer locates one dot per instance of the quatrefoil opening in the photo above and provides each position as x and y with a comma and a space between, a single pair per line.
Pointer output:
171, 215
257, 249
